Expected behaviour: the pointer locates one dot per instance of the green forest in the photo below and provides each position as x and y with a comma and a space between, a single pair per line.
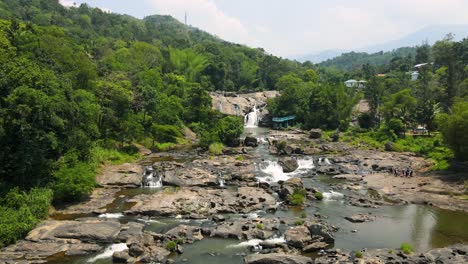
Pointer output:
79, 87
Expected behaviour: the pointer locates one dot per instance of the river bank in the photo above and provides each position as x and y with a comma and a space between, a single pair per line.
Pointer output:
231, 207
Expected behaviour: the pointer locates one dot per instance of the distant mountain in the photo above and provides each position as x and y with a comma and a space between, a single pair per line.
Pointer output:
430, 34
319, 57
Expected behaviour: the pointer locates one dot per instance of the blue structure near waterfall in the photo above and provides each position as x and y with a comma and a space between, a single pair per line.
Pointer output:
285, 121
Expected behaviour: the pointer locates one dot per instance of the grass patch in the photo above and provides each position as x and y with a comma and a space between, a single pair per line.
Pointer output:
427, 146
318, 196
299, 222
216, 148
303, 214
298, 197
171, 245
260, 226
240, 158
406, 248
358, 254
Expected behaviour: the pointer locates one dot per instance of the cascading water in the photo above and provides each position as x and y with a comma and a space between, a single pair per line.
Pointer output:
274, 171
151, 179
251, 119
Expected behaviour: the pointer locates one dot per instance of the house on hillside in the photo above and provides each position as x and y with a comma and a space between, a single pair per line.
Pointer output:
355, 84
415, 73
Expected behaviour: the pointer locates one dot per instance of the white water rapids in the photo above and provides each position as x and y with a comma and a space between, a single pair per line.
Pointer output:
251, 119
275, 172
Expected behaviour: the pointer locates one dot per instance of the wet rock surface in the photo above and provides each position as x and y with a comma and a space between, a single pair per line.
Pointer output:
277, 258
202, 201
360, 218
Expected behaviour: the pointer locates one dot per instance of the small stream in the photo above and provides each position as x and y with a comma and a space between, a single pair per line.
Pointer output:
423, 226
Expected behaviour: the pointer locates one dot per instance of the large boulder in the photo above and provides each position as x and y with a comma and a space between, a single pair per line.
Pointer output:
277, 258
320, 232
92, 230
316, 246
288, 164
298, 236
250, 141
315, 133
288, 187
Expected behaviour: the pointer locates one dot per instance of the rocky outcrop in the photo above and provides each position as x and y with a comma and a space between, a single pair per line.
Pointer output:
240, 104
360, 218
451, 254
288, 187
250, 141
124, 175
69, 237
315, 133
277, 258
92, 230
203, 202
298, 236
288, 164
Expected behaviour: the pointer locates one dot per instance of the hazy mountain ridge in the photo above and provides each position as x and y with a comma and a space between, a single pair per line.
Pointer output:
430, 34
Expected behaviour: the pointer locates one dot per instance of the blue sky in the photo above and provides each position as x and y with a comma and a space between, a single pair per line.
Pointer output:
290, 27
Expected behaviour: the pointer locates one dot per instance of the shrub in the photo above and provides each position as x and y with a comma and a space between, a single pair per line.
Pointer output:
260, 226
303, 214
299, 222
165, 133
240, 158
406, 248
229, 130
171, 245
358, 254
297, 197
318, 196
216, 148
21, 211
281, 146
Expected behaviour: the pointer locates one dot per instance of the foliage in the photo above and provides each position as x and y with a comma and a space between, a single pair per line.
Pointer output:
406, 248
229, 130
358, 254
260, 226
298, 197
171, 245
165, 133
303, 214
318, 196
240, 158
216, 148
21, 211
453, 127
354, 60
299, 222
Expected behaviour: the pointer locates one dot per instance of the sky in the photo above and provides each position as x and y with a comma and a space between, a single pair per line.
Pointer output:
292, 27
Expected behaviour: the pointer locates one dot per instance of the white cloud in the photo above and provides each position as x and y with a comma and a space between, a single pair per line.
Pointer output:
206, 15
67, 3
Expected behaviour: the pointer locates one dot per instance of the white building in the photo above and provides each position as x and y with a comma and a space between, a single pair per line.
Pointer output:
353, 83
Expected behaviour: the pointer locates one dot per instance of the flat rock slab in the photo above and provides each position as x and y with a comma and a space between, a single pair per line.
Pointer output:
348, 177
96, 203
204, 202
360, 218
277, 258
127, 174
100, 231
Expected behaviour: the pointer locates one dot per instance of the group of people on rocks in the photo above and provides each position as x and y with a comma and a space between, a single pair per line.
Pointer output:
406, 172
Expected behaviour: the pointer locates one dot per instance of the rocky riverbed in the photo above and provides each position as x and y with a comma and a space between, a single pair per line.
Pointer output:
239, 206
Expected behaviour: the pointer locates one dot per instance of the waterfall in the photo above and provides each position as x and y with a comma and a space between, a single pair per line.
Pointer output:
251, 119
151, 179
